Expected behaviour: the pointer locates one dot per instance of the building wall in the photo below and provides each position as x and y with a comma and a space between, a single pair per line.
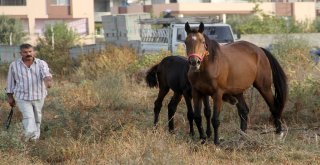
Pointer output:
35, 12
85, 9
264, 40
302, 11
135, 9
298, 10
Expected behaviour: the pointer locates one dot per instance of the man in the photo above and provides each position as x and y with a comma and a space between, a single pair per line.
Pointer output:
28, 78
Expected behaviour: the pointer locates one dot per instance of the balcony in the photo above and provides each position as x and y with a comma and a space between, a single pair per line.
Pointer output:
58, 10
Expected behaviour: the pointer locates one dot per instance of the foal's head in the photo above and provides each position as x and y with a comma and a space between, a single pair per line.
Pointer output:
196, 45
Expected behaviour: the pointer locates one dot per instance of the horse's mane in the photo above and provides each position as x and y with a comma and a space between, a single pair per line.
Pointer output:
213, 46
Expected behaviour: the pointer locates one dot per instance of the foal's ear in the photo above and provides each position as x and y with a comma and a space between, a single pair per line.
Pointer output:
201, 28
187, 27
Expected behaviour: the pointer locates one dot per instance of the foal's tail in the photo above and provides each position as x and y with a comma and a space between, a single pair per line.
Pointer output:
151, 77
279, 81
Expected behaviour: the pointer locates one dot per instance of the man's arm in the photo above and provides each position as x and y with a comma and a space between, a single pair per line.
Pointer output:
10, 86
47, 76
11, 100
48, 81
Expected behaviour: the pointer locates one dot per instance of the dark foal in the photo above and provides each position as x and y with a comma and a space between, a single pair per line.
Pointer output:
171, 73
229, 70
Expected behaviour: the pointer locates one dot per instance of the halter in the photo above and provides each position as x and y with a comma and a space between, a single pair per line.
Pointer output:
199, 56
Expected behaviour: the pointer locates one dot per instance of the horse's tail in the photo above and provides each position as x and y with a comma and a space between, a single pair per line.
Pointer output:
279, 81
151, 77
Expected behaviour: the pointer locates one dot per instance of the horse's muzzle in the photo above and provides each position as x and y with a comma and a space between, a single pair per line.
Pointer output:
194, 63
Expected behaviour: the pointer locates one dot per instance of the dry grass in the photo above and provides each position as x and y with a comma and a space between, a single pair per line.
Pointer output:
102, 115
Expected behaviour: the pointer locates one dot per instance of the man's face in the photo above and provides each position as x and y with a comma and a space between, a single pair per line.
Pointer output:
27, 53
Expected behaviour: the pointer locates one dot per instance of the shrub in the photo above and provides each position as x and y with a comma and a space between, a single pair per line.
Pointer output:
112, 59
11, 28
294, 56
54, 47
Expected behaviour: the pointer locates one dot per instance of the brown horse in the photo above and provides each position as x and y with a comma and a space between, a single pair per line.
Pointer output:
227, 71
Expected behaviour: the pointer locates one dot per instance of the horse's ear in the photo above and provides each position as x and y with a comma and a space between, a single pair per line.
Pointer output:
187, 27
201, 28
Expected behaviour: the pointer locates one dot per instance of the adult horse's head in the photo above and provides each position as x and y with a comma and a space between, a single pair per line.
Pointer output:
196, 46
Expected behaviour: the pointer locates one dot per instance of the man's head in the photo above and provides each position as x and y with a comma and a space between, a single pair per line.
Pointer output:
27, 52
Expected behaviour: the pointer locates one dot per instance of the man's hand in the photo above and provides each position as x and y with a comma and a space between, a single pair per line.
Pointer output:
48, 81
11, 100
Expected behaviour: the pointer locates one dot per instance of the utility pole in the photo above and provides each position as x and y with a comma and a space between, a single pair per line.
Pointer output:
52, 37
10, 39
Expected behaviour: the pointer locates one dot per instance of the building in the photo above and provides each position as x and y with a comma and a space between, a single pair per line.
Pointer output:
84, 15
37, 14
300, 10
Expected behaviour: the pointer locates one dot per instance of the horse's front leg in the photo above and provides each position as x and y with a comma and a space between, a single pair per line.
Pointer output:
207, 113
215, 117
197, 102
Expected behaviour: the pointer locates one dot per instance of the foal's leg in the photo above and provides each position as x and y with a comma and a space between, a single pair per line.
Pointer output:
158, 103
197, 102
243, 111
269, 98
215, 117
207, 113
187, 99
172, 107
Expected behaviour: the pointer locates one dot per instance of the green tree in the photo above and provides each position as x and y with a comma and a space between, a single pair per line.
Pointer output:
261, 23
54, 46
11, 29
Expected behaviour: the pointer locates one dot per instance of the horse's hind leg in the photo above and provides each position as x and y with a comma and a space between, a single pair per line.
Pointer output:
158, 103
269, 98
243, 111
187, 99
207, 113
172, 107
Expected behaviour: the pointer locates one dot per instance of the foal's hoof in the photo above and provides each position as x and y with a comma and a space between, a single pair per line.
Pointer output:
203, 141
280, 135
209, 134
172, 132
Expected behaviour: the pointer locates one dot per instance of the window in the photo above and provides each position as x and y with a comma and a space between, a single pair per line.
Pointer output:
60, 2
181, 34
221, 34
102, 6
13, 2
